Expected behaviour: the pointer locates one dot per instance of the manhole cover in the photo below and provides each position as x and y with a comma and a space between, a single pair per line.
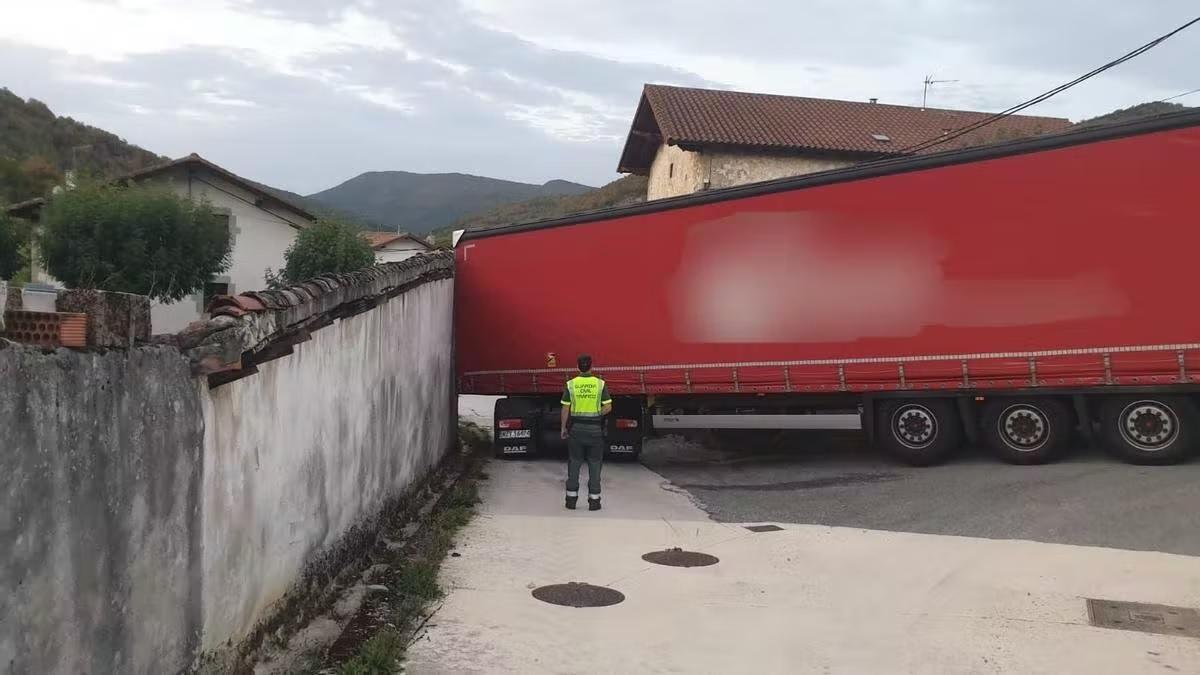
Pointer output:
1162, 619
677, 557
763, 528
577, 594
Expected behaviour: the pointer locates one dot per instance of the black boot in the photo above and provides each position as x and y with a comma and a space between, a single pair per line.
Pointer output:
593, 504
571, 501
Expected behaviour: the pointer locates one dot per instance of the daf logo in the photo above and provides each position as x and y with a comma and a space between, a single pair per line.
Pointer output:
515, 449
620, 448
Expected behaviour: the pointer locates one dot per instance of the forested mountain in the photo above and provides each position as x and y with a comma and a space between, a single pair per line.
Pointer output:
37, 146
1131, 113
419, 202
626, 190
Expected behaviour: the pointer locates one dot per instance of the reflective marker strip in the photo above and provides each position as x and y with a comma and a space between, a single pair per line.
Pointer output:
823, 421
869, 359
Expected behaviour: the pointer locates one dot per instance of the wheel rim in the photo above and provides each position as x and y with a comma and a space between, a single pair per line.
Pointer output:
914, 426
1149, 425
1024, 427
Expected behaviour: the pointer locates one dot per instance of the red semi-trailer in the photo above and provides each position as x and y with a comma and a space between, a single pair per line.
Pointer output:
1010, 293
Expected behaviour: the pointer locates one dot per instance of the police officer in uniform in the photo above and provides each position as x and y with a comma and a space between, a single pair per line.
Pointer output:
585, 402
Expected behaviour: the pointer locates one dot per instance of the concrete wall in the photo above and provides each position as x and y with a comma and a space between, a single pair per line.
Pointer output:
260, 235
146, 519
680, 172
300, 452
99, 511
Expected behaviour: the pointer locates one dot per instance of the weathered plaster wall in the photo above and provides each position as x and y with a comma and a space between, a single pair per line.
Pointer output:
99, 511
675, 171
727, 169
297, 454
146, 518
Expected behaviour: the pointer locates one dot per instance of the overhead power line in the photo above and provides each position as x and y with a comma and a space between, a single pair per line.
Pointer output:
1045, 95
1186, 93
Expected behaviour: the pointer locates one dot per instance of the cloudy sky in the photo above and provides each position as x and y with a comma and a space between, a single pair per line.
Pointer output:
304, 94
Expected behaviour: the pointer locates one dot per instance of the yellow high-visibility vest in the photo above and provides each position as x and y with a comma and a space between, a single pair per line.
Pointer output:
587, 395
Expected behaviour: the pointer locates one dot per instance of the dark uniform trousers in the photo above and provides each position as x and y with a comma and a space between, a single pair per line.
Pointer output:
585, 442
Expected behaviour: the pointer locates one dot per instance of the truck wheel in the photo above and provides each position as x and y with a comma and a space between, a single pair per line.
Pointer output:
1026, 431
919, 433
1149, 429
507, 410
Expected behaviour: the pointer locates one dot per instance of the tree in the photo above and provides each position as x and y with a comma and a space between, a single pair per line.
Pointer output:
10, 247
133, 239
328, 246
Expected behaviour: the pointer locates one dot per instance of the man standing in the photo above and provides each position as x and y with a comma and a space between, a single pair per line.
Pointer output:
585, 402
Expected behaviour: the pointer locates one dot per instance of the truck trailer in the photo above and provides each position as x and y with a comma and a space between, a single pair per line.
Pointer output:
1011, 294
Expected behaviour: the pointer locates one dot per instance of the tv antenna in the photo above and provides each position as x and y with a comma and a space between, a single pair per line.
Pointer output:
929, 82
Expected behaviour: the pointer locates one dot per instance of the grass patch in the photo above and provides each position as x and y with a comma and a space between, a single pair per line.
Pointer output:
418, 579
464, 495
380, 655
414, 584
474, 438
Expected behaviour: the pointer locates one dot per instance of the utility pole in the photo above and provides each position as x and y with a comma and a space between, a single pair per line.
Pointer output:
929, 82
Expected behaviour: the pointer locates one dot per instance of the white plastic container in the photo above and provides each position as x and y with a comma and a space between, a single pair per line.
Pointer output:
39, 298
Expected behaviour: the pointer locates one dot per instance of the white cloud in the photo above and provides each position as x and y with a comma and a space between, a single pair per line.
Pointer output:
122, 29
383, 97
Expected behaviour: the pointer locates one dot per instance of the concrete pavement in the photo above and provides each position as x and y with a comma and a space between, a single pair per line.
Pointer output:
1087, 498
807, 599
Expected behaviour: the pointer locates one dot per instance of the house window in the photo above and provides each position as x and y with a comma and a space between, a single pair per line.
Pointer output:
214, 288
671, 170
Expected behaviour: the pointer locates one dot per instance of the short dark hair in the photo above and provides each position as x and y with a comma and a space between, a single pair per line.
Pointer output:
585, 362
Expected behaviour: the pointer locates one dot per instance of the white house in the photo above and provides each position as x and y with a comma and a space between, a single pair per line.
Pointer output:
261, 224
394, 246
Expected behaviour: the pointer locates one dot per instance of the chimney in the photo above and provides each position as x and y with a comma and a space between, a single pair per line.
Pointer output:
874, 100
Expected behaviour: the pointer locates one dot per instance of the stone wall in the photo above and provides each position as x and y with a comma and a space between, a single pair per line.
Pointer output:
677, 172
100, 455
730, 168
158, 501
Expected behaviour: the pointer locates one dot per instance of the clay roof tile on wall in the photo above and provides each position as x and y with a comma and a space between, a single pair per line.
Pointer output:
708, 117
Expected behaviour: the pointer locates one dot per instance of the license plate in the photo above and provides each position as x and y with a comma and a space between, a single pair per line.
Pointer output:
515, 433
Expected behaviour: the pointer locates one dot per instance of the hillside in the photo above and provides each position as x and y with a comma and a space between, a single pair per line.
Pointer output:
419, 203
37, 146
626, 190
317, 208
1131, 113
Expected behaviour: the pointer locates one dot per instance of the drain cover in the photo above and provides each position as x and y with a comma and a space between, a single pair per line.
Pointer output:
577, 594
1162, 619
763, 528
677, 557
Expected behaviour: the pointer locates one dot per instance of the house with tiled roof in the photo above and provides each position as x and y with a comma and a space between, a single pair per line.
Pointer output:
686, 140
262, 224
394, 246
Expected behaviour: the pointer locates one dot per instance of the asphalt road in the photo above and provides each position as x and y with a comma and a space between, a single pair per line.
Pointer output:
818, 478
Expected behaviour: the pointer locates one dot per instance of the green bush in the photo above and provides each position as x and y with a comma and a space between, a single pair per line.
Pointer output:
133, 239
327, 247
11, 259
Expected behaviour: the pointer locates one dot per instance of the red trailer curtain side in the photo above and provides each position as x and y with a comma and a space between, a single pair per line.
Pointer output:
1060, 261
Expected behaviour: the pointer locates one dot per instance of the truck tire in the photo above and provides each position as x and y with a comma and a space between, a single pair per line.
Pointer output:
516, 408
919, 432
1149, 429
1026, 431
